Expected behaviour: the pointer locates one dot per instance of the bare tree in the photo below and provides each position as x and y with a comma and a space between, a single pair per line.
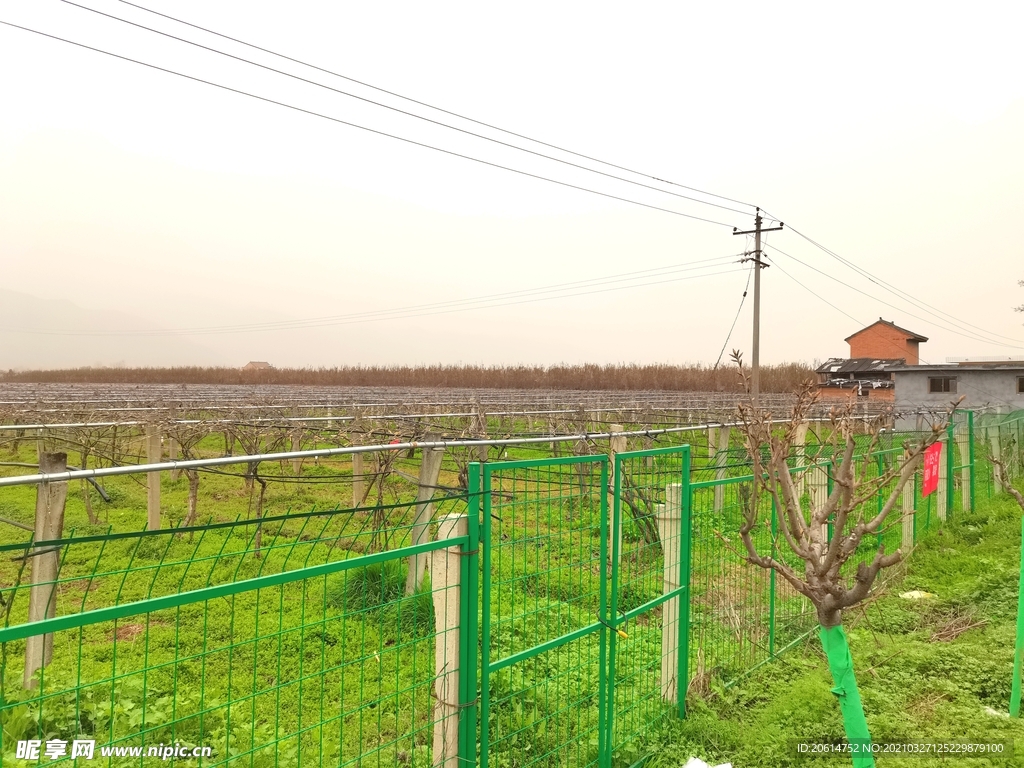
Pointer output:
804, 526
188, 436
89, 440
825, 534
1006, 471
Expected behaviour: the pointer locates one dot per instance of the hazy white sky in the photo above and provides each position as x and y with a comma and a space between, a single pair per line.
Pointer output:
132, 199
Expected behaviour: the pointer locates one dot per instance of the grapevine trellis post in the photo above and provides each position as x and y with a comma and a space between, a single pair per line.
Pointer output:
44, 563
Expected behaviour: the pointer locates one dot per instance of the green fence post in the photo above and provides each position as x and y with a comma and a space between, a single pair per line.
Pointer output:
917, 495
485, 620
608, 615
685, 550
970, 452
830, 484
950, 472
880, 495
470, 613
771, 585
1018, 650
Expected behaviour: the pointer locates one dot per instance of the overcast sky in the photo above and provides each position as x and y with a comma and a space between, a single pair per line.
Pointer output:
132, 199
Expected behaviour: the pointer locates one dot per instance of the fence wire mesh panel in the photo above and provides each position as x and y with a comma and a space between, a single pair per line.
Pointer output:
544, 593
605, 590
305, 648
1000, 436
731, 603
649, 599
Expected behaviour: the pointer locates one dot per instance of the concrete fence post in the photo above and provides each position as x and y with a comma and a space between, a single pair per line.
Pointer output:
42, 601
996, 448
296, 446
358, 460
941, 494
670, 530
172, 444
908, 502
154, 454
800, 443
817, 488
358, 483
480, 432
40, 444
445, 584
172, 455
430, 471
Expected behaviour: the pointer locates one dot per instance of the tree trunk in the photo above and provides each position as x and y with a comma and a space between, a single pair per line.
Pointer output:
258, 541
85, 490
840, 664
193, 496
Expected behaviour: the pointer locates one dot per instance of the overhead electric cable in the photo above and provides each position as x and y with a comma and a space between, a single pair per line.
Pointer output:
967, 335
363, 127
401, 111
431, 106
482, 301
396, 314
737, 317
905, 296
815, 293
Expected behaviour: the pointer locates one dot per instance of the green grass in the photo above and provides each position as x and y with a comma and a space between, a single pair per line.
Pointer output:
324, 670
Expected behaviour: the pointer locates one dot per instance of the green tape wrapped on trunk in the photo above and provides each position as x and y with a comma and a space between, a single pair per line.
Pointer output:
840, 664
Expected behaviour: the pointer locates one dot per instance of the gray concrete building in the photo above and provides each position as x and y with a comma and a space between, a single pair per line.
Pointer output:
986, 386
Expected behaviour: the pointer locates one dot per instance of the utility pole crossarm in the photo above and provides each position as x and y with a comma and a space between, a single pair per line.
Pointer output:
755, 357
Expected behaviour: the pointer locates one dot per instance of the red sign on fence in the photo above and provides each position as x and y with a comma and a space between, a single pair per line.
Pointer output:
932, 456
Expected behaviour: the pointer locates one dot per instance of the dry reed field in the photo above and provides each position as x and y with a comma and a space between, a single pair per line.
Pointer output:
784, 377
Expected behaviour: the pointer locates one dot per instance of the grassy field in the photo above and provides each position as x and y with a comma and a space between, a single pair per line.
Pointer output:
338, 669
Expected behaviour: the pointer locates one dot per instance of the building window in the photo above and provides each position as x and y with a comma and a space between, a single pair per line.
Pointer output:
939, 384
1020, 385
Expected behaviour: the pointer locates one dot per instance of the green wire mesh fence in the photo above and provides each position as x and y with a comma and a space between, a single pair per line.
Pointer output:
556, 613
305, 648
544, 590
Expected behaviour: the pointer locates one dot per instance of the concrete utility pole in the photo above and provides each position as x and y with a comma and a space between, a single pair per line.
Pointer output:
755, 356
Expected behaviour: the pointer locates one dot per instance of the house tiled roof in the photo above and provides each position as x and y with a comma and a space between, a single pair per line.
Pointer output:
839, 366
911, 336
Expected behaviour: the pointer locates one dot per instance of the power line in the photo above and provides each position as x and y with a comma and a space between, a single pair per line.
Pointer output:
968, 335
920, 304
822, 298
814, 293
431, 106
363, 127
484, 301
733, 326
395, 314
400, 111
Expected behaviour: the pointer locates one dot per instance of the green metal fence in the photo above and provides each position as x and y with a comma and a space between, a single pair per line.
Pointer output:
1002, 438
287, 641
569, 607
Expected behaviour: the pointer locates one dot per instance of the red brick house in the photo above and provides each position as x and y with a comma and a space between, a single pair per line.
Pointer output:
885, 340
867, 373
